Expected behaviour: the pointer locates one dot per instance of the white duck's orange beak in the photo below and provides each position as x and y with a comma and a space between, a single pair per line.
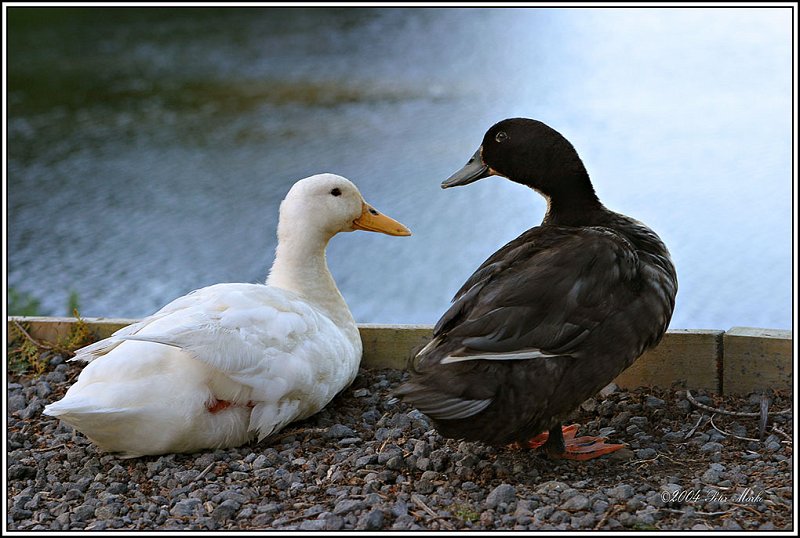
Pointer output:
372, 221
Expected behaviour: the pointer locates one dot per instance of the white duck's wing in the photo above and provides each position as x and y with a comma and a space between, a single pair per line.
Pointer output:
266, 347
103, 347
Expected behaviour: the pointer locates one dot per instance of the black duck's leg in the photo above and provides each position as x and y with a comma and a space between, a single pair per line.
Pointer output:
554, 447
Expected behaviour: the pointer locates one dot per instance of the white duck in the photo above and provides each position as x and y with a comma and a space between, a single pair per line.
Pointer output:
229, 362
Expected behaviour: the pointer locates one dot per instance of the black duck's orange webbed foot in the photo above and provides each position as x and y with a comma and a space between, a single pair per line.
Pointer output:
567, 431
575, 448
588, 448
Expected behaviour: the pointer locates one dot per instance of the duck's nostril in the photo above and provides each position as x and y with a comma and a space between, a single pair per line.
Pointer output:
373, 211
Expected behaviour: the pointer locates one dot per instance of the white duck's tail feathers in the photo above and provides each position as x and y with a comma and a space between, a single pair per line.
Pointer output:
268, 418
154, 338
106, 345
80, 407
96, 350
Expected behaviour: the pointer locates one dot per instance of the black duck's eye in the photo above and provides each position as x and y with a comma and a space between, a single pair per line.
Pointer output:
336, 192
501, 136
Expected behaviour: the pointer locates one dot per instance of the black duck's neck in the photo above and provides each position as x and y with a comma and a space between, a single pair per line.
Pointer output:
571, 200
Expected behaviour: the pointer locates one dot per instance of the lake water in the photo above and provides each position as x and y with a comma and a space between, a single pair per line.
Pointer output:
148, 149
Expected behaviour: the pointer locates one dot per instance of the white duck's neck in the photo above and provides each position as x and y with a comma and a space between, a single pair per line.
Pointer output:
300, 266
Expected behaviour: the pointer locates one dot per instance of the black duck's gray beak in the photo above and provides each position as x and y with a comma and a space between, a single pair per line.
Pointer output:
474, 170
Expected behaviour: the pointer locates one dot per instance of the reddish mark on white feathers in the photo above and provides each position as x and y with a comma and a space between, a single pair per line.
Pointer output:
215, 406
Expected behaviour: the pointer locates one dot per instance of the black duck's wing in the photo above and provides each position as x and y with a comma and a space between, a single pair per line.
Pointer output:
539, 296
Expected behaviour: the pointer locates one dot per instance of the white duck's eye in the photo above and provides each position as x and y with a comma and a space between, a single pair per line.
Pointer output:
336, 192
502, 136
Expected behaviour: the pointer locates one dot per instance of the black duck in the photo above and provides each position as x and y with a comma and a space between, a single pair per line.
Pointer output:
550, 318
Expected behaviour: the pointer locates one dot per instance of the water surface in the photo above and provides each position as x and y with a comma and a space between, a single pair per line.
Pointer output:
148, 149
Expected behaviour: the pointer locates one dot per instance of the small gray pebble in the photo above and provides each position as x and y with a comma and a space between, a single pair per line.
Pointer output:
424, 486
711, 476
543, 513
395, 463
646, 453
363, 461
600, 506
348, 505
225, 510
371, 416
313, 525
340, 431
83, 512
504, 493
32, 410
585, 521
711, 446
400, 508
772, 446
55, 377
654, 403
43, 389
575, 503
639, 421
260, 462
405, 522
21, 472
16, 403
372, 521
334, 523
622, 491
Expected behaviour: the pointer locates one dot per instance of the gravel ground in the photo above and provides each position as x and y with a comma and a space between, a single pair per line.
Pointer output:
366, 463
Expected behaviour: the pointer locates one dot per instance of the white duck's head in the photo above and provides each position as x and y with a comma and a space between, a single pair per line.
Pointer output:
326, 204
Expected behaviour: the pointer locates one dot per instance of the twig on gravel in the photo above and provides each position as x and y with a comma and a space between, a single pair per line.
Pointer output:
691, 432
206, 470
49, 448
779, 431
421, 504
708, 514
299, 431
727, 434
651, 460
749, 509
34, 341
732, 413
762, 421
298, 518
642, 462
611, 511
714, 514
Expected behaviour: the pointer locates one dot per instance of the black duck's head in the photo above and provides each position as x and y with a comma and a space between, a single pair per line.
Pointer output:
528, 152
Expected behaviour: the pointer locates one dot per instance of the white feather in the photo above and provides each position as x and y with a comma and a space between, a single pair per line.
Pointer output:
509, 356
